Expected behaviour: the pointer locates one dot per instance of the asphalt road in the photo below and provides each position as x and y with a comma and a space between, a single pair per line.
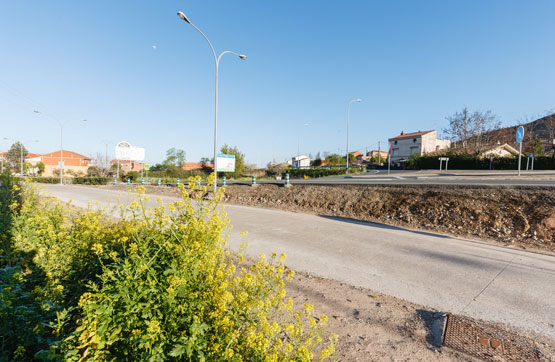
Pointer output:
449, 274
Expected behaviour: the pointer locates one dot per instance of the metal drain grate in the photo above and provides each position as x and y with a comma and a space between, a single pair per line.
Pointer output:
486, 342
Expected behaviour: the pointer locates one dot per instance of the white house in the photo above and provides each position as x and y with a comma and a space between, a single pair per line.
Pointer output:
503, 150
301, 161
420, 143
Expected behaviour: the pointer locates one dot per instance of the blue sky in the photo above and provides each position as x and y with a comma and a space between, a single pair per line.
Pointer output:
140, 74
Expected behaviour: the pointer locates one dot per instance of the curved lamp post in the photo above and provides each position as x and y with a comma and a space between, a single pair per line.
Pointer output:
61, 124
348, 115
217, 61
21, 153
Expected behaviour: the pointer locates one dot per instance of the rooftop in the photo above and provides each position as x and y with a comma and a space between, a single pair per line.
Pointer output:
410, 135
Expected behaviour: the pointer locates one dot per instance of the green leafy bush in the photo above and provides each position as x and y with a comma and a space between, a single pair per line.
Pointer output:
155, 285
320, 171
91, 180
45, 180
472, 162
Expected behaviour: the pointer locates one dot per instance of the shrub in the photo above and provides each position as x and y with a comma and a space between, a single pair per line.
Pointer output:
320, 171
156, 285
472, 162
91, 180
44, 180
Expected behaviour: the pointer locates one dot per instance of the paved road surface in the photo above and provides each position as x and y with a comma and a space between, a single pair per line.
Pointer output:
449, 274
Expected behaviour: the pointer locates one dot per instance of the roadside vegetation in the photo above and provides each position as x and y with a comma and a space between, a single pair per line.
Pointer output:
152, 285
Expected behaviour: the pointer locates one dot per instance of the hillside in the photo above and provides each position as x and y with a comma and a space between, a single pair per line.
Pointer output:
543, 128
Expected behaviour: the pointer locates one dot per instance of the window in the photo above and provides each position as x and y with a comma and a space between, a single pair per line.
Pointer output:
414, 140
395, 142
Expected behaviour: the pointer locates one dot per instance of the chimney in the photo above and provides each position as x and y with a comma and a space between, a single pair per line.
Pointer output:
402, 133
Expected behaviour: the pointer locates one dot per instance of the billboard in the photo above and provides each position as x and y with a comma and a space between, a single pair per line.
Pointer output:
126, 152
225, 163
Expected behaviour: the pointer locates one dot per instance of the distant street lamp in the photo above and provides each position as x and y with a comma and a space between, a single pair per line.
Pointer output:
217, 60
20, 152
61, 124
348, 115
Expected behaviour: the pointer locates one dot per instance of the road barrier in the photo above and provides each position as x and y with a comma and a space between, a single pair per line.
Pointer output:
223, 183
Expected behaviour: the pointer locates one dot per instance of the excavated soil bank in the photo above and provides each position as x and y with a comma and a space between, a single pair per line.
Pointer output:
515, 216
523, 216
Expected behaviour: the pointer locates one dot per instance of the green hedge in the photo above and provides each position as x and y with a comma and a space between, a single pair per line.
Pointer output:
471, 162
319, 171
45, 180
91, 180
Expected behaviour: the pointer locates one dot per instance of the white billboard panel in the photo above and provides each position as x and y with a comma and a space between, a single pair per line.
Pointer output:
226, 163
126, 152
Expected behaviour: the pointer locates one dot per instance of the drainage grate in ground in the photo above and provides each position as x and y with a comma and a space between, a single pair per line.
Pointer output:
486, 342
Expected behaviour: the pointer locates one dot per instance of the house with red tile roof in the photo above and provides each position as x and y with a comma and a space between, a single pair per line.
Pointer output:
74, 163
421, 143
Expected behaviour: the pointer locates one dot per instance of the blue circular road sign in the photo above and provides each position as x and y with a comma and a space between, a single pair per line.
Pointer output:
519, 134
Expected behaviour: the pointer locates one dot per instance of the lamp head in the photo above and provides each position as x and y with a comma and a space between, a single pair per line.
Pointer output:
182, 15
243, 56
36, 111
358, 100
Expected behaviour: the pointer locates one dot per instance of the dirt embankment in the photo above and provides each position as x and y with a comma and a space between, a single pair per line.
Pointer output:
516, 216
520, 216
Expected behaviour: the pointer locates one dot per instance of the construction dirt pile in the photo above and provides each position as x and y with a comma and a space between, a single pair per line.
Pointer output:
520, 216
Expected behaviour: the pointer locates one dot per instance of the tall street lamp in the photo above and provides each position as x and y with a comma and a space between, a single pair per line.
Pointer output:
348, 115
217, 61
20, 154
61, 124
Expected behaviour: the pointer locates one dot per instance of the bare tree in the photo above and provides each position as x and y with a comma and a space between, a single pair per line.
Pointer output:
484, 123
466, 125
102, 167
550, 124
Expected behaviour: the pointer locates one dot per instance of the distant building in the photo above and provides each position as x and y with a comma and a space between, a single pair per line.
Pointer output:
301, 161
374, 154
503, 150
420, 143
128, 166
358, 155
74, 163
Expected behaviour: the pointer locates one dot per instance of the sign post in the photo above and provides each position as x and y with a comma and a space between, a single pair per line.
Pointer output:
519, 138
389, 159
441, 159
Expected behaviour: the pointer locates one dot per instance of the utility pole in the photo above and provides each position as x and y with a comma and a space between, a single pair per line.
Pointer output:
379, 154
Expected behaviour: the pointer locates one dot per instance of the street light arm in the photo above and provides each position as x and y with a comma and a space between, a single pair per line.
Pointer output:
242, 56
216, 59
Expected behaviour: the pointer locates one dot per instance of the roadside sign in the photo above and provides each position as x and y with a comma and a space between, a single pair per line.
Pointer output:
124, 151
147, 166
531, 155
519, 138
225, 163
520, 134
